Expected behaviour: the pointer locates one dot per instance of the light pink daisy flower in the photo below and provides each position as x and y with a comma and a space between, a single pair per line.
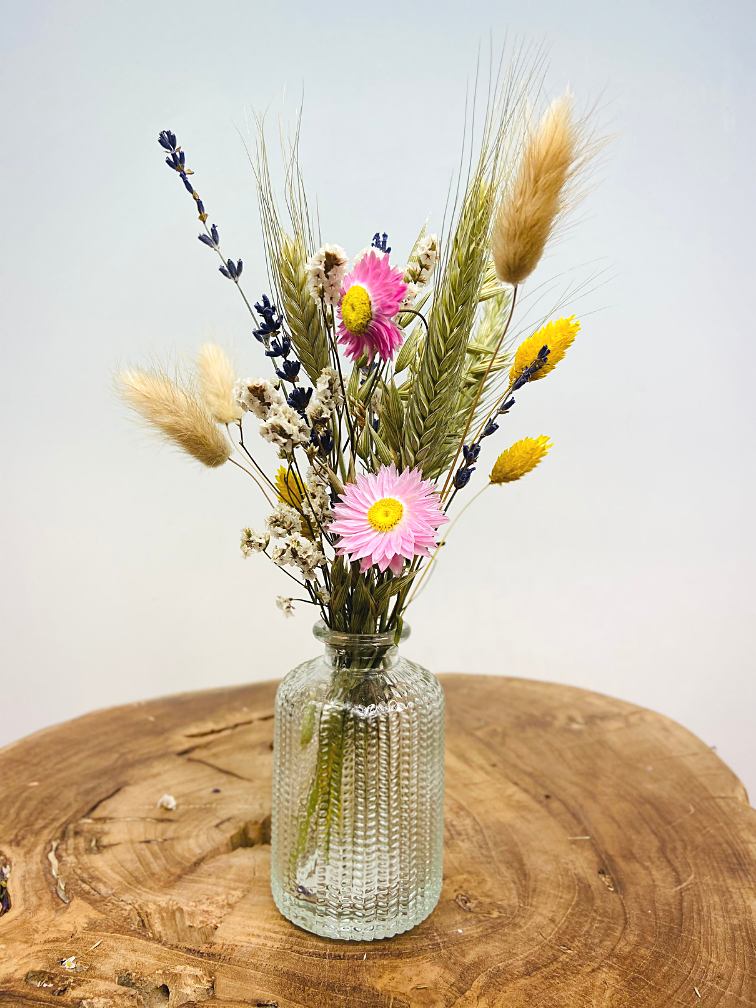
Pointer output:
386, 518
370, 298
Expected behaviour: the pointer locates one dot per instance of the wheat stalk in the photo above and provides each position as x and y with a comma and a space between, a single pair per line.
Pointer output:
449, 325
464, 277
287, 256
302, 312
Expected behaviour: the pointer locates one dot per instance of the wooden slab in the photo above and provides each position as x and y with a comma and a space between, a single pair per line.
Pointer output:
597, 856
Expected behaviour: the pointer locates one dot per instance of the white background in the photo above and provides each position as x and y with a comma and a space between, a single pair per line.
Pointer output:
624, 564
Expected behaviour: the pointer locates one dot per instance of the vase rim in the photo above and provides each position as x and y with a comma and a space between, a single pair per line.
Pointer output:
340, 638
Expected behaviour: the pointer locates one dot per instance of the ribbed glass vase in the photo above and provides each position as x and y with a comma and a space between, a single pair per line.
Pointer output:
358, 787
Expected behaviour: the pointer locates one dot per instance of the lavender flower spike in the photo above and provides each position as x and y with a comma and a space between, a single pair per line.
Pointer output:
167, 140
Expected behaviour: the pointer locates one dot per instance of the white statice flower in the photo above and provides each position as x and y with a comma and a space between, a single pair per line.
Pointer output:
257, 395
167, 802
317, 501
409, 298
423, 262
318, 411
376, 399
329, 384
327, 397
427, 255
297, 551
283, 520
285, 605
284, 427
253, 541
368, 248
325, 271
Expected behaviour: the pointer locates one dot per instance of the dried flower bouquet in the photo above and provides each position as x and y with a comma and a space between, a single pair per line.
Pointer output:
385, 381
385, 384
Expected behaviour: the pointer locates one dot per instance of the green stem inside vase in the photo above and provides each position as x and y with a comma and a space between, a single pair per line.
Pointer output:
356, 684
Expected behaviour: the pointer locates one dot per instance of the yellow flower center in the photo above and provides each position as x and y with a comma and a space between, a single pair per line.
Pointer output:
356, 310
385, 514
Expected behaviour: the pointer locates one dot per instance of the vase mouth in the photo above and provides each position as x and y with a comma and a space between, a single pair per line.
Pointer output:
342, 639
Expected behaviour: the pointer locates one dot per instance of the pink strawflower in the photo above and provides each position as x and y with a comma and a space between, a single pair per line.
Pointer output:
370, 298
386, 518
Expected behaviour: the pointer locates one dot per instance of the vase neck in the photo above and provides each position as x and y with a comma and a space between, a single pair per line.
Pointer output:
359, 652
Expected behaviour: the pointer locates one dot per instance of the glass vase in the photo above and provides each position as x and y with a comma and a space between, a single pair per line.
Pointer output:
358, 787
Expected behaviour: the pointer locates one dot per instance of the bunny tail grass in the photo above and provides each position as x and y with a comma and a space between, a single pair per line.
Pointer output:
217, 378
541, 192
175, 414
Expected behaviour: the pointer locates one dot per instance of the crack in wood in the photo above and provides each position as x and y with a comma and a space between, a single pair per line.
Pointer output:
107, 797
112, 819
251, 834
42, 978
60, 885
228, 728
120, 843
170, 985
607, 880
230, 773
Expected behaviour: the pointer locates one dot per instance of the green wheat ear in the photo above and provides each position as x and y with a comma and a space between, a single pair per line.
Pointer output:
302, 311
464, 278
480, 346
435, 391
287, 255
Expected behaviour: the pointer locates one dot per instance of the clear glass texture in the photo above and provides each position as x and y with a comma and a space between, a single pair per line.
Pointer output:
358, 787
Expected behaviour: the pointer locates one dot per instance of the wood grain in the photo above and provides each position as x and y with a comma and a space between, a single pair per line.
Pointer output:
597, 856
